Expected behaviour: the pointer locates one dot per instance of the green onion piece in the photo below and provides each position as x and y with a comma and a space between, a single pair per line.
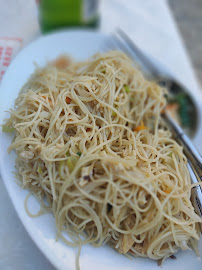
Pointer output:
71, 161
78, 153
170, 155
113, 113
39, 170
126, 88
67, 154
7, 128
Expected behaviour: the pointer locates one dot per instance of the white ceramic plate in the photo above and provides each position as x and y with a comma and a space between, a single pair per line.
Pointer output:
80, 45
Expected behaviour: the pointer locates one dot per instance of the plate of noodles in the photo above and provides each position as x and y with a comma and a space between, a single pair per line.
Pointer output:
91, 169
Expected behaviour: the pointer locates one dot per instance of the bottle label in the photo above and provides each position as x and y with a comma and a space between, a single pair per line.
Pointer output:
90, 9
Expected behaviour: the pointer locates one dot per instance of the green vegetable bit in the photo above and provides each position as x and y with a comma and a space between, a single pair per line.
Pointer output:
71, 162
126, 88
39, 170
78, 153
113, 113
7, 128
184, 110
170, 155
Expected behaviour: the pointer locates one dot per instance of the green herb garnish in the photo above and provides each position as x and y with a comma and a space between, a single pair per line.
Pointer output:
126, 88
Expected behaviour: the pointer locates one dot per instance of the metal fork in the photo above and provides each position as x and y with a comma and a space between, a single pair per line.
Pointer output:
120, 40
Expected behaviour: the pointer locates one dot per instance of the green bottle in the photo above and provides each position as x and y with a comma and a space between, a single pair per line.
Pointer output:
55, 14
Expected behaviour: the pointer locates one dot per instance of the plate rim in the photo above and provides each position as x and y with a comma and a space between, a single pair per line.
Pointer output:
3, 173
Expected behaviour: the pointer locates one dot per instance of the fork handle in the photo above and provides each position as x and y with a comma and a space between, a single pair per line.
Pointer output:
134, 49
196, 193
188, 147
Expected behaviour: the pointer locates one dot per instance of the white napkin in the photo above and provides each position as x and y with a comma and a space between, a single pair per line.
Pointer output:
19, 26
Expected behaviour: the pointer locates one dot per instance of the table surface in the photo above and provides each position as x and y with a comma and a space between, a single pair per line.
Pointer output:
146, 21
